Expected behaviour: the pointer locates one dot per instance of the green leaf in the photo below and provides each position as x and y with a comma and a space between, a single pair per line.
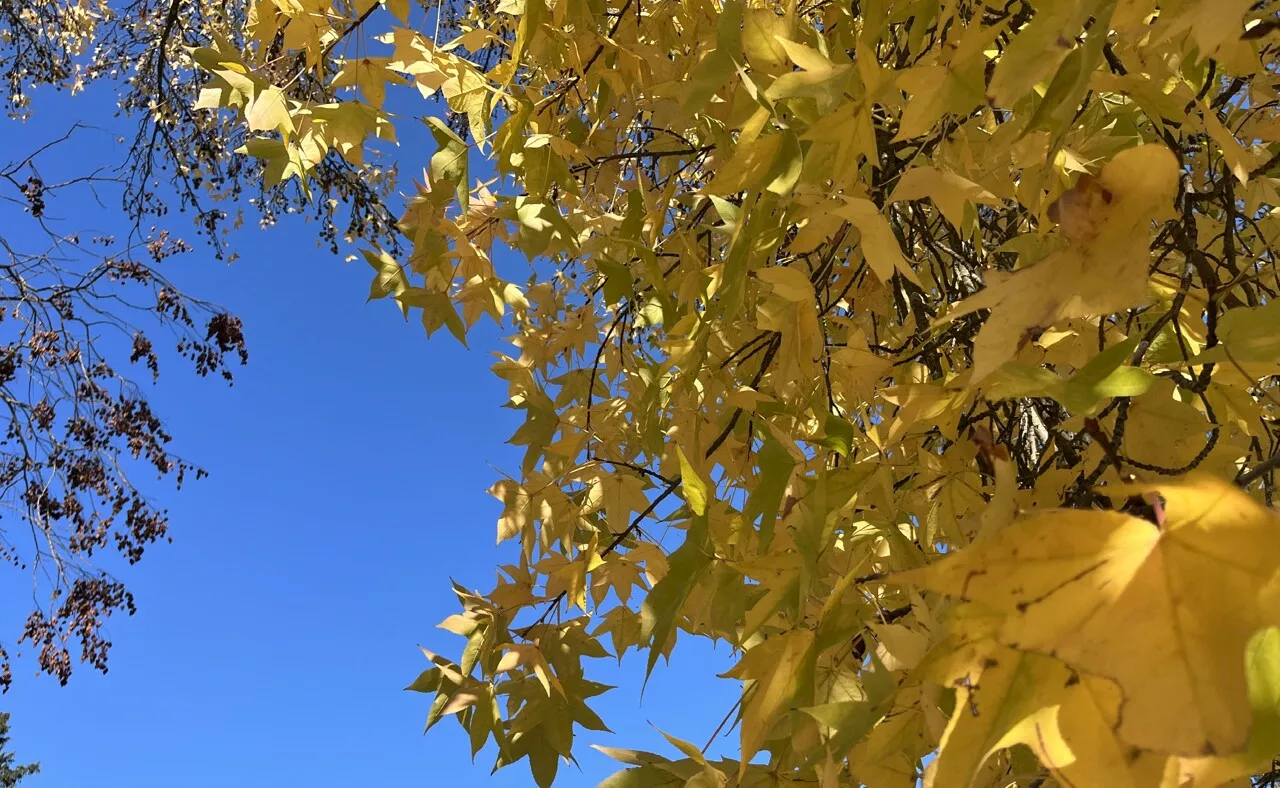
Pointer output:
642, 777
449, 164
1103, 376
427, 681
389, 278
662, 606
618, 281
1248, 335
1015, 380
765, 499
838, 435
544, 761
788, 165
728, 212
1123, 382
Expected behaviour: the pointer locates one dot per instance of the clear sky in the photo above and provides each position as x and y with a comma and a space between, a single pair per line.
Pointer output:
349, 466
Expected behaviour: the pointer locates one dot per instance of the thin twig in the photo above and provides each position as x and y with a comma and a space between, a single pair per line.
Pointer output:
1255, 473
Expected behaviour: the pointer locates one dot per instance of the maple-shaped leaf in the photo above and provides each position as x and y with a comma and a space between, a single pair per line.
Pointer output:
1035, 54
1165, 613
449, 164
269, 111
371, 75
347, 125
879, 245
1163, 429
775, 670
789, 309
662, 607
280, 160
1006, 698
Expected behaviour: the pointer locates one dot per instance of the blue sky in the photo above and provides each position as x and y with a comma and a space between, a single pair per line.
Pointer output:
349, 466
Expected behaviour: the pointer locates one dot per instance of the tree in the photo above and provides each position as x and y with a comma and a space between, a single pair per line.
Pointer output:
11, 775
80, 308
938, 336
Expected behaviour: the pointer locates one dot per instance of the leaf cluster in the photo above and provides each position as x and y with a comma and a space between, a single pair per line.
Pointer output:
923, 351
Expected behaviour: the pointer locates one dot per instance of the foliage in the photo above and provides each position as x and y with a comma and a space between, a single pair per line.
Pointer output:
78, 308
922, 351
136, 48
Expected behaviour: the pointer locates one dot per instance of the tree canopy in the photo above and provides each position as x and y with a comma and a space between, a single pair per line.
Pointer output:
923, 351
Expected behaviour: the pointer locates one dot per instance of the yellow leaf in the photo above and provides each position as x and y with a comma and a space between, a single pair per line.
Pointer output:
797, 323
935, 91
371, 75
516, 513
950, 192
826, 84
790, 283
1162, 430
1249, 337
1003, 506
281, 161
1006, 697
772, 669
400, 8
528, 655
695, 489
806, 57
761, 29
1236, 156
1037, 50
1262, 667
1166, 614
269, 111
750, 164
879, 245
902, 648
